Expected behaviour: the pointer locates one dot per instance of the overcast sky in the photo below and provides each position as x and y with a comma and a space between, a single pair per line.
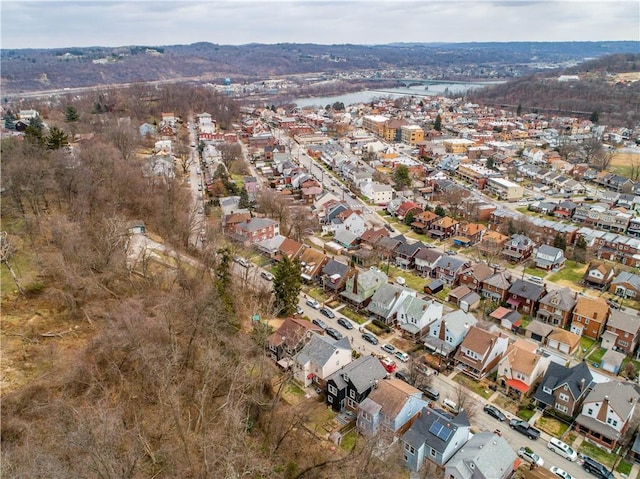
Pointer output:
54, 24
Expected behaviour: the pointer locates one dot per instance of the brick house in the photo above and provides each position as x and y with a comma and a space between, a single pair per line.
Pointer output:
598, 275
518, 248
443, 228
589, 317
626, 328
480, 352
524, 296
492, 243
475, 275
556, 307
254, 230
496, 287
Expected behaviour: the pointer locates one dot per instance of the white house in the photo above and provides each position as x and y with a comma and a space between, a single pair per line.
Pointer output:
163, 147
549, 258
447, 332
347, 220
520, 368
415, 315
377, 193
321, 357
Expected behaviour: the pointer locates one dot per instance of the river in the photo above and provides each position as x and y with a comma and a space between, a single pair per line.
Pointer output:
367, 95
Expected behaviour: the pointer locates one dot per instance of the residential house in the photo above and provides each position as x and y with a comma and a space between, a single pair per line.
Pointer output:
611, 360
496, 287
385, 247
351, 384
408, 207
443, 228
405, 254
345, 239
480, 352
377, 193
614, 182
518, 248
372, 235
415, 315
290, 248
599, 275
564, 341
521, 368
475, 275
625, 329
311, 262
524, 296
334, 276
422, 221
473, 232
589, 317
254, 230
360, 287
556, 307
434, 436
625, 285
426, 260
549, 258
447, 332
270, 247
391, 407
606, 413
486, 455
321, 357
387, 299
538, 331
449, 269
563, 388
289, 339
565, 210
492, 243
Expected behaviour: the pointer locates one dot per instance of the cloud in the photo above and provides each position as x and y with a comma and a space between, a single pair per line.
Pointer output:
115, 23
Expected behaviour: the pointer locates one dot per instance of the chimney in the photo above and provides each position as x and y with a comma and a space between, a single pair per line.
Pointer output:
582, 381
595, 315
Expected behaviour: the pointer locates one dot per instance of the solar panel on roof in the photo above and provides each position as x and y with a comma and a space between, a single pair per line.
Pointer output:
440, 430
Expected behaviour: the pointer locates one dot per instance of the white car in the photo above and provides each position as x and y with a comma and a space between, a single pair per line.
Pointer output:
530, 456
404, 357
560, 473
241, 261
313, 303
266, 275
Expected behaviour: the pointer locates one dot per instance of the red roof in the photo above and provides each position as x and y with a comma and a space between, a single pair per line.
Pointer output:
517, 384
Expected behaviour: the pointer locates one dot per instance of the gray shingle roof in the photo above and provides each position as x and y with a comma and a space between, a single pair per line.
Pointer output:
626, 277
625, 322
558, 375
485, 455
563, 299
526, 289
458, 321
418, 434
362, 372
321, 348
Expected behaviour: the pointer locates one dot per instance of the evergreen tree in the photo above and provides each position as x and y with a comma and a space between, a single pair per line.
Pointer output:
244, 199
595, 116
71, 114
57, 139
34, 136
287, 285
580, 250
409, 218
427, 207
440, 211
560, 242
401, 177
519, 109
9, 120
437, 125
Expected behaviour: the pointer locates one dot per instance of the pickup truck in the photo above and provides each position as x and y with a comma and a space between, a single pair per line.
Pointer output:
523, 427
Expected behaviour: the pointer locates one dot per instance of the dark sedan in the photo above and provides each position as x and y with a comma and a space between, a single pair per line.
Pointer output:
495, 412
327, 312
370, 338
345, 323
334, 333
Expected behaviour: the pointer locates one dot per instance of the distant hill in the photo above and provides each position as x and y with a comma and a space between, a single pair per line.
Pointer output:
609, 86
44, 69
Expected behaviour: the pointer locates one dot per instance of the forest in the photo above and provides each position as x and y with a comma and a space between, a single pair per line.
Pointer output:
111, 373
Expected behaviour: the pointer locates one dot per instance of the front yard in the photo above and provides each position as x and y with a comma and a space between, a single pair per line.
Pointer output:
481, 388
572, 272
540, 273
551, 426
600, 455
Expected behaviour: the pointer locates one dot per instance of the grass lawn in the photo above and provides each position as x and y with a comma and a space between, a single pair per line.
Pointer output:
540, 273
293, 388
622, 170
413, 281
477, 387
624, 468
552, 426
526, 414
596, 453
352, 315
318, 294
572, 271
596, 356
627, 360
526, 211
442, 295
586, 343
349, 441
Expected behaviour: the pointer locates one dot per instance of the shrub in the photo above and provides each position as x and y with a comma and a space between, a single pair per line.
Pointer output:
382, 325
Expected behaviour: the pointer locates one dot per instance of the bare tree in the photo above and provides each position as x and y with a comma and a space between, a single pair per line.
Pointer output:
230, 152
6, 252
465, 402
124, 140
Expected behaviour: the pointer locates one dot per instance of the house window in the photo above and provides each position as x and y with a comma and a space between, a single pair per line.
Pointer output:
562, 408
624, 344
590, 412
409, 448
432, 452
330, 399
366, 416
586, 321
352, 394
563, 397
332, 389
352, 404
614, 423
547, 390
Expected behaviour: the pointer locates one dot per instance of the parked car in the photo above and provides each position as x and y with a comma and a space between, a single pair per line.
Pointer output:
559, 447
266, 275
451, 405
370, 338
595, 468
313, 303
528, 455
388, 348
560, 473
491, 410
320, 323
334, 333
327, 312
241, 261
430, 392
451, 252
404, 376
523, 427
404, 357
345, 323
299, 311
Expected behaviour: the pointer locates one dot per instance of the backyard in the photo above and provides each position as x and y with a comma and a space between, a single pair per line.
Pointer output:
572, 272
